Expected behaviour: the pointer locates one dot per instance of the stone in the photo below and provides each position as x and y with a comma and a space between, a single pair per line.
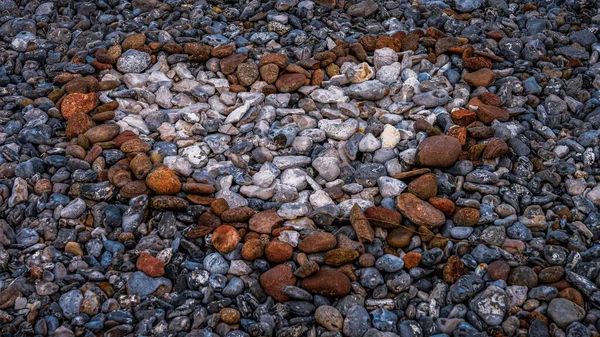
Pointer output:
438, 151
150, 265
275, 279
327, 282
163, 181
420, 212
329, 317
78, 124
481, 78
225, 238
265, 222
361, 225
487, 114
564, 312
290, 82
424, 187
318, 242
102, 133
76, 103
278, 251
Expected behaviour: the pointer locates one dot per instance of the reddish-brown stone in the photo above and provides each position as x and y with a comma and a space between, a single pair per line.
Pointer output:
78, 103
424, 187
327, 282
438, 151
290, 82
318, 242
264, 222
278, 251
275, 279
150, 265
383, 217
419, 211
466, 216
163, 181
225, 238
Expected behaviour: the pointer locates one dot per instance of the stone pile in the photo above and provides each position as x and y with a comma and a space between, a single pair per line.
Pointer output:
313, 168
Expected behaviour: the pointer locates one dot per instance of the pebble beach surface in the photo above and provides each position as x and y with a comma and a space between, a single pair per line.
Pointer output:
293, 168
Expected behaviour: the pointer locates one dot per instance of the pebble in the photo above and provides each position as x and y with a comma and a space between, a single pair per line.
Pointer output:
299, 168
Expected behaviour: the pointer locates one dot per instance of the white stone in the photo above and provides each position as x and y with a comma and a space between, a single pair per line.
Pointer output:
390, 136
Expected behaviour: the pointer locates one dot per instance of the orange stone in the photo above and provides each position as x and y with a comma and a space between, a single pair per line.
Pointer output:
163, 181
225, 238
78, 103
463, 117
278, 251
150, 265
445, 205
411, 260
78, 124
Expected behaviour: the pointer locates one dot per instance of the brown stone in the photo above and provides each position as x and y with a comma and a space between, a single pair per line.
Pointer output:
197, 52
490, 99
230, 315
225, 238
410, 42
458, 132
290, 82
264, 222
523, 276
78, 103
247, 73
275, 279
230, 63
317, 77
172, 48
103, 116
318, 242
73, 248
168, 202
133, 41
551, 274
102, 133
327, 282
133, 189
466, 216
383, 217
340, 256
498, 270
307, 268
385, 41
223, 50
400, 237
444, 44
200, 199
368, 42
572, 295
419, 211
163, 181
477, 62
219, 206
140, 165
78, 124
119, 175
438, 151
487, 114
150, 265
361, 225
198, 188
239, 214
411, 260
445, 205
495, 148
453, 269
357, 50
9, 295
424, 187
252, 250
135, 145
42, 186
269, 73
480, 78
281, 60
463, 117
278, 251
